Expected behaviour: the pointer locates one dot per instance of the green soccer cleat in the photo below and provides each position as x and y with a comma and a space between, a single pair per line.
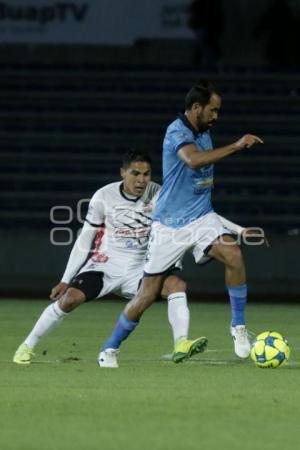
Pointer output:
185, 348
23, 355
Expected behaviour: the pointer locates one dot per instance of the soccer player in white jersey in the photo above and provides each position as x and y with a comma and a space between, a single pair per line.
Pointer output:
109, 256
184, 217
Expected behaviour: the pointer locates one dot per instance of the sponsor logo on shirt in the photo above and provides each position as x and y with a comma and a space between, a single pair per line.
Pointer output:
136, 232
100, 258
205, 182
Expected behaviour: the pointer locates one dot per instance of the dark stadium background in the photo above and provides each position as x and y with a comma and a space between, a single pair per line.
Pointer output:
82, 84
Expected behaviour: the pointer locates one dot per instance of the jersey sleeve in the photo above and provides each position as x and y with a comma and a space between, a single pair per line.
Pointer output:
80, 252
154, 200
153, 195
96, 211
180, 138
154, 189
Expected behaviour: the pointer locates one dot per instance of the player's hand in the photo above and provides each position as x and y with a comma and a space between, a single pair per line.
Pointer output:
247, 141
58, 291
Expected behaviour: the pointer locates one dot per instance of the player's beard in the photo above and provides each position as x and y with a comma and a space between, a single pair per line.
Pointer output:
203, 125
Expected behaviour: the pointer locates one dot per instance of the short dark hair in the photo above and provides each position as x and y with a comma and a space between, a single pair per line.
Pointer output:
200, 93
135, 156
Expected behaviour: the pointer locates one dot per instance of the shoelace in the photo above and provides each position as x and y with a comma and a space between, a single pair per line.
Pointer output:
111, 353
242, 335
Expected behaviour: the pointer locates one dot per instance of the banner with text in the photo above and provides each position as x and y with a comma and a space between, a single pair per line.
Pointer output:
91, 21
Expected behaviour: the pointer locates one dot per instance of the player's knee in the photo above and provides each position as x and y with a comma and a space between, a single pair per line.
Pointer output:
234, 257
173, 284
180, 286
71, 300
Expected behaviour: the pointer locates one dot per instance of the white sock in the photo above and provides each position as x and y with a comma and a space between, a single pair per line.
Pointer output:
48, 320
178, 315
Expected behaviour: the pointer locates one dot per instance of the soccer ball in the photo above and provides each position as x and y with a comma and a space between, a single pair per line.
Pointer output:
270, 349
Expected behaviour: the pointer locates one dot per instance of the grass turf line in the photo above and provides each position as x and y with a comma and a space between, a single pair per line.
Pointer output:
65, 401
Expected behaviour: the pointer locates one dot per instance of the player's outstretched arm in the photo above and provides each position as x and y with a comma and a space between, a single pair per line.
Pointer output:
77, 258
194, 159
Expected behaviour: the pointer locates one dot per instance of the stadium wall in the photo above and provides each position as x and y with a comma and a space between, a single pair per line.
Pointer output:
31, 265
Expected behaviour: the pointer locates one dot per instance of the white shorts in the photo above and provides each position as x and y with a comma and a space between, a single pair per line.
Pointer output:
120, 275
167, 245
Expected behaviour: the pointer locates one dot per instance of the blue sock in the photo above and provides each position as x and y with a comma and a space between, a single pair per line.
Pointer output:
121, 332
238, 300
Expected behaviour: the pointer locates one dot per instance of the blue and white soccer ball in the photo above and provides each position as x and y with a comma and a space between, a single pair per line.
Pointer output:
270, 350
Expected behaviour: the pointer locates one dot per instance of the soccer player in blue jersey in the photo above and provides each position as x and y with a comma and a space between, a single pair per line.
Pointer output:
184, 218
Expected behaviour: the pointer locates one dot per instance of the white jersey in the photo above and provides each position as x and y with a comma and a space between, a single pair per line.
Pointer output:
114, 238
124, 223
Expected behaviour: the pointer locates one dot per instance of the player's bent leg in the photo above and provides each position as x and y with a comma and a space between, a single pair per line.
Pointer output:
129, 318
172, 285
50, 318
227, 252
71, 300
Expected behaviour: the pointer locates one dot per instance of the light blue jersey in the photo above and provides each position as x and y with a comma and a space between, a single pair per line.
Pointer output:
186, 193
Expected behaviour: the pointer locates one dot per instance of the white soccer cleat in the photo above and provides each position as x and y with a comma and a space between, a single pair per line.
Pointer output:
241, 342
108, 358
23, 355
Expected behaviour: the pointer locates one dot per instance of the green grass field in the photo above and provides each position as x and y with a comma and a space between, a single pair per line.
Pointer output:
215, 401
